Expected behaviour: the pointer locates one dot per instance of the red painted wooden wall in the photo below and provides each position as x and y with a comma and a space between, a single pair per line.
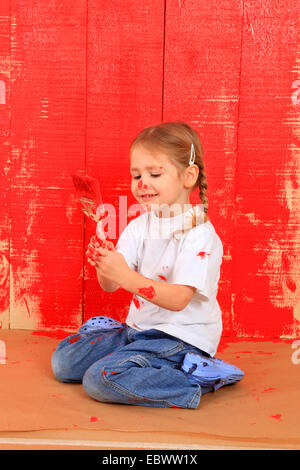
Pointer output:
79, 79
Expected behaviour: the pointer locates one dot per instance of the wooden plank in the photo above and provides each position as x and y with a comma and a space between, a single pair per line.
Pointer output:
266, 284
48, 145
201, 86
5, 113
124, 95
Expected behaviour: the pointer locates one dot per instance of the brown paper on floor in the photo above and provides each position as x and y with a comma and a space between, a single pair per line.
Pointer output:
262, 408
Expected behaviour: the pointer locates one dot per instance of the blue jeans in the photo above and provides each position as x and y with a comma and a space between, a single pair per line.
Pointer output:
127, 366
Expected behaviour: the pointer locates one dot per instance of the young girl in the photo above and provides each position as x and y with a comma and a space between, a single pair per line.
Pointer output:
169, 258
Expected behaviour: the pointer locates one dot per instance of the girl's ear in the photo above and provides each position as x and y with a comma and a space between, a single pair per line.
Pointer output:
190, 176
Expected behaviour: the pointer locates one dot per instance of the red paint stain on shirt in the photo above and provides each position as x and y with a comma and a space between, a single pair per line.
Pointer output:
137, 303
74, 339
202, 254
163, 278
147, 292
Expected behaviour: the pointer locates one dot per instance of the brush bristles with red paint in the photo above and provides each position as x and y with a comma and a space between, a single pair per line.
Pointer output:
87, 187
88, 191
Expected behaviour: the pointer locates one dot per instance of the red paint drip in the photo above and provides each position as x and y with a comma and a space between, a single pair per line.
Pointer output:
148, 292
163, 278
202, 254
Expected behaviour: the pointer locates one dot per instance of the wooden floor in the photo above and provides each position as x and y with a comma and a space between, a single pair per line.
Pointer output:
38, 412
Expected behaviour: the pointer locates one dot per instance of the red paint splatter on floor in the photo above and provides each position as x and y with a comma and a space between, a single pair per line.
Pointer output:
93, 419
264, 352
148, 292
278, 416
59, 334
268, 389
163, 278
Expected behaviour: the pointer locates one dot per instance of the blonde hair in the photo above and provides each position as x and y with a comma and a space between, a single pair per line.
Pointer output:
175, 140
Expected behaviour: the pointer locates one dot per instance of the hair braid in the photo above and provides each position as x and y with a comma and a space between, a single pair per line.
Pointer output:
202, 185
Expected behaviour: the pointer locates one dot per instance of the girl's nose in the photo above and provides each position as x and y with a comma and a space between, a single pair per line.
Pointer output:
142, 185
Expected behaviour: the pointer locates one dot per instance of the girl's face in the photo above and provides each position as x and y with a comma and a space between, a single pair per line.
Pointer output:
155, 179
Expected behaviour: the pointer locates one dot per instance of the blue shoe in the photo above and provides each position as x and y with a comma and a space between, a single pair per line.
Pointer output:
209, 372
100, 323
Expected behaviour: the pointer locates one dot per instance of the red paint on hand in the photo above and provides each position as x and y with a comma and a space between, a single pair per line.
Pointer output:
147, 292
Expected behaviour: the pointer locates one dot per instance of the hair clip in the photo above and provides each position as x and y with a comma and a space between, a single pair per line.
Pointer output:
192, 155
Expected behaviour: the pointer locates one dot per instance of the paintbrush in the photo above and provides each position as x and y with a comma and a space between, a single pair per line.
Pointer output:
88, 192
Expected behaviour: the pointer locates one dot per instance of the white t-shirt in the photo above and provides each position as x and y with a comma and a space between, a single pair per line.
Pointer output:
194, 259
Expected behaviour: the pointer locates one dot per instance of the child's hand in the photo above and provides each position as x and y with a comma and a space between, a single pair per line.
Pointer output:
112, 265
93, 249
